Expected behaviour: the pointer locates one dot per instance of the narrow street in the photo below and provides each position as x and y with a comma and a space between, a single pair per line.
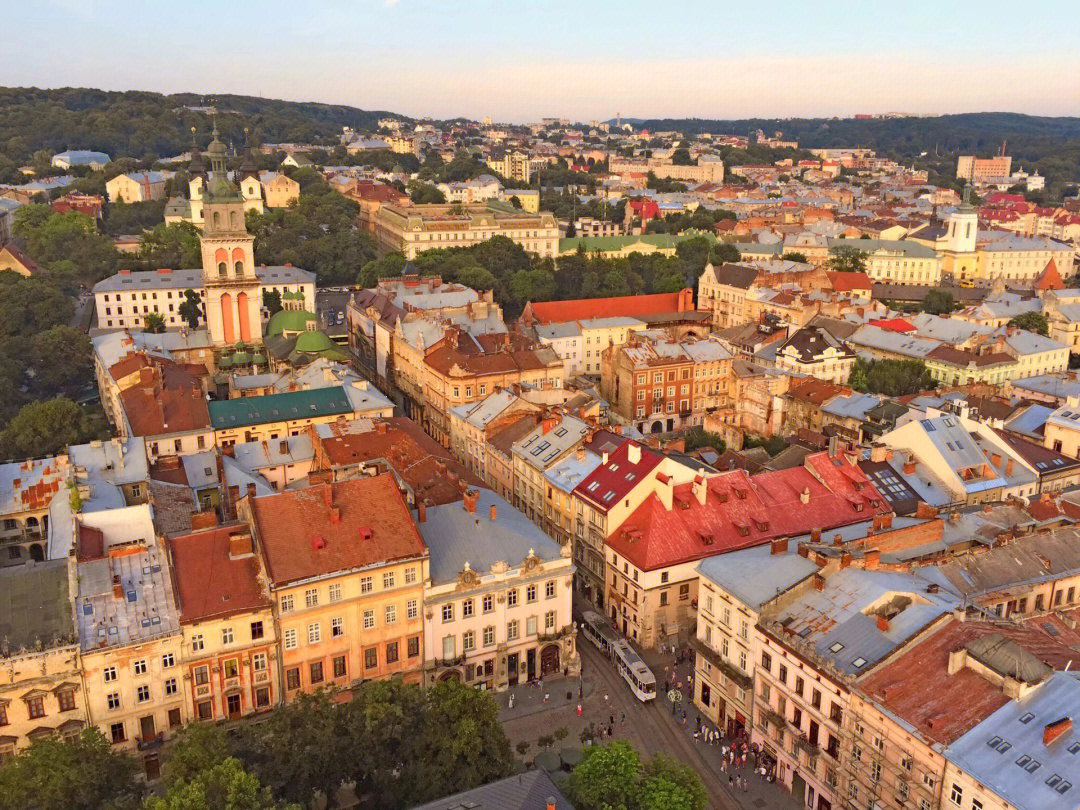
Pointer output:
651, 728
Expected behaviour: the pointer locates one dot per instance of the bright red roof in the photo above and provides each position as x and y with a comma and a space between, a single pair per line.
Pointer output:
1049, 278
624, 306
208, 582
740, 510
846, 282
894, 325
609, 483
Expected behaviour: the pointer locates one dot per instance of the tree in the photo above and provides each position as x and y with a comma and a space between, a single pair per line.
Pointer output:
176, 246
607, 777
61, 359
153, 323
515, 201
847, 259
1033, 322
894, 378
681, 157
938, 302
224, 785
271, 301
669, 784
795, 256
421, 193
198, 748
698, 437
191, 308
51, 237
43, 428
523, 748
83, 774
723, 252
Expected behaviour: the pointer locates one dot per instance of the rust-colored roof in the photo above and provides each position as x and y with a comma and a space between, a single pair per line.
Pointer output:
626, 305
846, 282
1049, 278
816, 392
426, 466
208, 582
300, 537
169, 400
917, 686
742, 510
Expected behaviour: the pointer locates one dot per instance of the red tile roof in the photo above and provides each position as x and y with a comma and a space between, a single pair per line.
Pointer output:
845, 282
894, 325
300, 536
1049, 278
621, 306
742, 511
604, 487
208, 582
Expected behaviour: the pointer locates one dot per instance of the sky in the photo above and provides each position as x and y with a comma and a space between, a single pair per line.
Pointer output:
516, 60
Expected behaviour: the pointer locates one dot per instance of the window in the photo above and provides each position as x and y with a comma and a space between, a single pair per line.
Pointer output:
311, 597
333, 593
815, 699
414, 646
530, 626
142, 693
511, 597
766, 662
197, 642
410, 576
226, 635
956, 795
116, 731
256, 630
140, 666
467, 607
287, 603
549, 620
391, 614
468, 641
112, 700
530, 593
66, 700
289, 638
366, 584
448, 612
511, 631
875, 771
371, 658
292, 678
35, 707
388, 579
337, 627
489, 636
314, 633
549, 589
316, 672
369, 619
487, 604
411, 609
392, 652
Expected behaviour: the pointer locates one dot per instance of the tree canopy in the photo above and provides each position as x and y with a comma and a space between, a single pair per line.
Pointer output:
847, 259
612, 777
894, 378
1033, 322
938, 302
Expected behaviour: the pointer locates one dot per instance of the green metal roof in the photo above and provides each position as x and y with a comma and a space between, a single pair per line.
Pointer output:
313, 342
245, 411
289, 320
662, 241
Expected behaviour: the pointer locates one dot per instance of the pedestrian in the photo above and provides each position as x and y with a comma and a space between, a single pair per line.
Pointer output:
579, 710
623, 721
511, 700
546, 696
731, 781
667, 687
605, 697
611, 719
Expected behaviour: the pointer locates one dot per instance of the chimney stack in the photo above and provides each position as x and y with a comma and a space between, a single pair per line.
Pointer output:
925, 511
819, 582
240, 545
335, 515
492, 511
421, 512
871, 559
328, 495
882, 624
1054, 730
471, 497
633, 453
909, 465
778, 546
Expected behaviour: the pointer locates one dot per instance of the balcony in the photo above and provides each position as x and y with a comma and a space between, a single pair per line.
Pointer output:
811, 749
739, 678
149, 742
773, 717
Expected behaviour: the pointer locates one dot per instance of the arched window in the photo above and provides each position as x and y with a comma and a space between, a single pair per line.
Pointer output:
239, 268
234, 220
217, 219
222, 269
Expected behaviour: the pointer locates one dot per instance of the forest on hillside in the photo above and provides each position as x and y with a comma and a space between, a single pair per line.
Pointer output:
148, 126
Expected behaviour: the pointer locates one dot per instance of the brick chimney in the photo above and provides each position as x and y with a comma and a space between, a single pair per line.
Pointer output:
778, 545
883, 624
471, 497
240, 545
328, 495
421, 512
925, 511
909, 465
550, 803
204, 520
804, 550
871, 559
492, 511
815, 535
819, 582
838, 539
1054, 730
335, 515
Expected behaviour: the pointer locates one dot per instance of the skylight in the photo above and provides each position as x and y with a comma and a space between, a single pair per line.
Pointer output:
836, 647
859, 662
1027, 718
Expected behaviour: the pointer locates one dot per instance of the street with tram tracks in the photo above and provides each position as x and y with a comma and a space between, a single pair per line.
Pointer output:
650, 727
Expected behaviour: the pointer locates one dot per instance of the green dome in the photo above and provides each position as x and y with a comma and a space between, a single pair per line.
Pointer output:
313, 342
225, 361
259, 359
293, 296
289, 320
241, 359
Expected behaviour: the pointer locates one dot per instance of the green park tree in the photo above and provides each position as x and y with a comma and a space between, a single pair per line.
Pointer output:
153, 323
938, 302
175, 246
83, 774
191, 308
223, 785
1032, 322
894, 378
847, 259
271, 301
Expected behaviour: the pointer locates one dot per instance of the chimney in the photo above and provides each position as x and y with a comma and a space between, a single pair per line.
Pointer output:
604, 458
204, 520
819, 582
883, 624
954, 517
815, 535
492, 511
700, 488
909, 465
335, 515
328, 496
664, 490
804, 550
845, 559
251, 490
549, 424
633, 453
581, 452
550, 803
1054, 730
778, 546
838, 539
871, 559
240, 545
471, 497
380, 427
925, 511
804, 496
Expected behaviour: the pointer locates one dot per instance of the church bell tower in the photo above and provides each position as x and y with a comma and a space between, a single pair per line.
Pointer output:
233, 309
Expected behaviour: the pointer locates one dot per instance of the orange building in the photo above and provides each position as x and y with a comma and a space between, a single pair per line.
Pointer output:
346, 568
229, 655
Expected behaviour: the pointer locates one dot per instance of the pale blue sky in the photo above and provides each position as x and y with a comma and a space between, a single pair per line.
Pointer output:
516, 60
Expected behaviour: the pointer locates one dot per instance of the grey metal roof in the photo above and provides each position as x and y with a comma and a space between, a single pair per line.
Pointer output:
1006, 752
539, 449
756, 575
455, 536
192, 278
526, 791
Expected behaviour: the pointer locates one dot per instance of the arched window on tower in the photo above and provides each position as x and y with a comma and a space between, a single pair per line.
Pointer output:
968, 234
222, 269
239, 268
234, 220
217, 219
